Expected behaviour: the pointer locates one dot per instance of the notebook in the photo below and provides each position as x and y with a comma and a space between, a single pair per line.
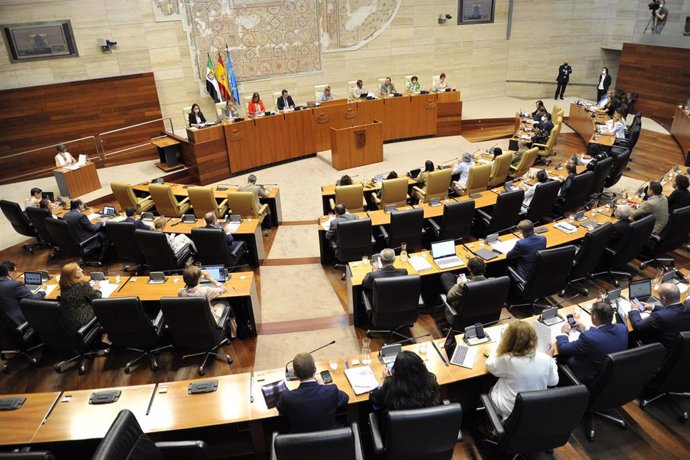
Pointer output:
362, 379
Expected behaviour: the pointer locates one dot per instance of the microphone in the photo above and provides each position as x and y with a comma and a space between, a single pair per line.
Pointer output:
447, 161
290, 373
261, 185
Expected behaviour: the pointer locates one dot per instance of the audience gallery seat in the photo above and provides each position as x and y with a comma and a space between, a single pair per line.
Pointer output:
420, 434
393, 192
394, 304
166, 203
20, 222
481, 302
337, 444
350, 196
500, 169
124, 194
126, 440
204, 200
437, 186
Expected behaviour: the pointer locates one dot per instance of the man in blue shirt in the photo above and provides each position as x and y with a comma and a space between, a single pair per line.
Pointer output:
524, 253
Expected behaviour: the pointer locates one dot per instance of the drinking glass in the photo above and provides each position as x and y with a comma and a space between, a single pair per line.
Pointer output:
366, 351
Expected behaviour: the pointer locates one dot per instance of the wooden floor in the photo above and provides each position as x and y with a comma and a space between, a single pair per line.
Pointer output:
652, 433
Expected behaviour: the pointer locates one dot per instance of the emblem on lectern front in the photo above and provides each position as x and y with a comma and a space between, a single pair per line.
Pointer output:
360, 138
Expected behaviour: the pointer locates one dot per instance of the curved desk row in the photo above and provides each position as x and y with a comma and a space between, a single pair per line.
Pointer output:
680, 129
584, 122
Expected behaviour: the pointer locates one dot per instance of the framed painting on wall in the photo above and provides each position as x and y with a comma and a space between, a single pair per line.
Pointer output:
39, 40
475, 11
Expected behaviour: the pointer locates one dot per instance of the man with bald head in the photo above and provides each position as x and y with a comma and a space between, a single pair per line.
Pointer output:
387, 269
664, 322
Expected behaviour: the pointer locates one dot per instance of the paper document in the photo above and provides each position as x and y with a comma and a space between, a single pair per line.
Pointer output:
327, 225
543, 335
573, 335
232, 227
50, 288
419, 263
362, 379
504, 247
565, 227
106, 288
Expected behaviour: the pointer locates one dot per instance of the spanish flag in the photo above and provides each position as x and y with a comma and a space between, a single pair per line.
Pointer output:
211, 82
222, 77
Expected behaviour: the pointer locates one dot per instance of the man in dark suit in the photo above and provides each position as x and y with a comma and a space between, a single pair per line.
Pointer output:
562, 79
212, 222
83, 229
312, 406
285, 101
341, 215
130, 213
548, 123
620, 227
665, 322
523, 254
453, 284
387, 269
12, 291
586, 354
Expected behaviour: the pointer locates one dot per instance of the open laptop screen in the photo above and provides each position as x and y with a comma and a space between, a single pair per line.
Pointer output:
32, 278
441, 249
640, 289
217, 272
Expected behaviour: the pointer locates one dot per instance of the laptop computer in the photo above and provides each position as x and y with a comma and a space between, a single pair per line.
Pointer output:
459, 355
217, 272
108, 211
642, 291
413, 173
444, 254
33, 281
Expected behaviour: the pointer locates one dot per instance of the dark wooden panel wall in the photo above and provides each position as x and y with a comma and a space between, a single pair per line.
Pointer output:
659, 74
43, 115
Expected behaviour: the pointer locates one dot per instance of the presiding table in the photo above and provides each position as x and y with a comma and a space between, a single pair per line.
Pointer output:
583, 122
680, 129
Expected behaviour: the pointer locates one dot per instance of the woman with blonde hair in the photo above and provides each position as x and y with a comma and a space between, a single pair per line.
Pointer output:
519, 366
76, 295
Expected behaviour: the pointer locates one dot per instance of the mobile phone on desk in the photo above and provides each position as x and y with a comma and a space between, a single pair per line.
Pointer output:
326, 377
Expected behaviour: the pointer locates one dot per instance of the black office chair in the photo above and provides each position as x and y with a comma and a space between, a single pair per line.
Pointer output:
20, 222
192, 326
35, 455
601, 172
46, 320
126, 440
629, 247
577, 195
212, 248
352, 241
394, 305
456, 222
16, 341
673, 378
127, 325
671, 237
405, 227
549, 276
67, 244
37, 216
338, 444
532, 427
588, 256
481, 302
121, 234
420, 434
543, 201
504, 214
620, 380
157, 252
621, 158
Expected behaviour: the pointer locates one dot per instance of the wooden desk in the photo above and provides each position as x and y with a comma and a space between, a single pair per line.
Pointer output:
19, 426
583, 123
168, 151
75, 419
680, 129
77, 182
356, 146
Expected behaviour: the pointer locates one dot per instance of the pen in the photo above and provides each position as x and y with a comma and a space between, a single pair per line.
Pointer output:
124, 284
176, 223
153, 395
52, 408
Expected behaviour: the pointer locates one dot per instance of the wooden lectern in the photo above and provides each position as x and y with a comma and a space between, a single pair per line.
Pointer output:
356, 145
77, 182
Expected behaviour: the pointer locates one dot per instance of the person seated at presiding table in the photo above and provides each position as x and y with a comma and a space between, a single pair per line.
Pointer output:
665, 322
359, 91
604, 101
211, 290
441, 84
586, 354
83, 229
542, 178
423, 178
410, 385
656, 205
463, 168
453, 283
285, 101
523, 254
76, 295
387, 269
538, 104
326, 95
387, 87
257, 190
212, 222
616, 126
517, 156
255, 106
344, 180
12, 291
63, 157
519, 366
230, 111
311, 406
541, 136
622, 214
180, 244
341, 215
132, 217
680, 197
196, 117
413, 86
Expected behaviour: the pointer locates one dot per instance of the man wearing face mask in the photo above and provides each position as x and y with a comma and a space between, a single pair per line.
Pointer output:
562, 80
604, 83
